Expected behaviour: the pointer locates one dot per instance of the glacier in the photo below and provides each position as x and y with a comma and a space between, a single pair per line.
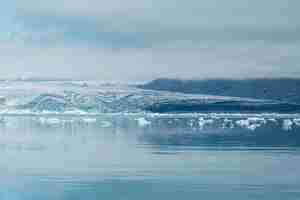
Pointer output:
87, 98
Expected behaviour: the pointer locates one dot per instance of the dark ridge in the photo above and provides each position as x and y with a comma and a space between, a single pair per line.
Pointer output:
224, 107
282, 89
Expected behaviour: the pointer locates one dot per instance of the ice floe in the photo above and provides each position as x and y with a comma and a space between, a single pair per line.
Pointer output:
203, 122
272, 120
89, 120
142, 122
50, 121
227, 123
287, 125
105, 124
251, 123
297, 122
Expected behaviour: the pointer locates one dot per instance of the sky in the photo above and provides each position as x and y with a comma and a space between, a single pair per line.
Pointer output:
137, 40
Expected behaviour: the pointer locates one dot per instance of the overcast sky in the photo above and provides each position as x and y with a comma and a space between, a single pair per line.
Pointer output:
145, 39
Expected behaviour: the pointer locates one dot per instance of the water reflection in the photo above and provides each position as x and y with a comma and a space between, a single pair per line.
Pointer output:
128, 158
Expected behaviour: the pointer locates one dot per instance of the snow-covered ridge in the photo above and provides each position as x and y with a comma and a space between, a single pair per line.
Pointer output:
92, 98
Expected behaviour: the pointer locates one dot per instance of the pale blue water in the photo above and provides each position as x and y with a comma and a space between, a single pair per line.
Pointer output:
91, 158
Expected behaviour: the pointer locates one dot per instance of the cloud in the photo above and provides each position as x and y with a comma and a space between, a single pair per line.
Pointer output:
181, 60
138, 40
193, 12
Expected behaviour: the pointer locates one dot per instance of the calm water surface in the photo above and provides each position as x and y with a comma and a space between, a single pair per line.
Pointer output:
88, 159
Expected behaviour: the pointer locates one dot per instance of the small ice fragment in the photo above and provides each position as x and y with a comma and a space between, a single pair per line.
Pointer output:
214, 116
287, 125
191, 123
227, 123
243, 123
252, 127
272, 120
49, 120
143, 122
250, 124
256, 120
42, 120
202, 122
53, 121
209, 121
89, 120
297, 122
105, 124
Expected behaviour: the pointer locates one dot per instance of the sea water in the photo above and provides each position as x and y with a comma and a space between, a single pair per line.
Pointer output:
145, 157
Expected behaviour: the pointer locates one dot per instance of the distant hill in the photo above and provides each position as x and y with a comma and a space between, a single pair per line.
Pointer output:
274, 89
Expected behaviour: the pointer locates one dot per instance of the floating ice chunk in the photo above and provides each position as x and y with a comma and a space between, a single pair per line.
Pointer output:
209, 121
142, 122
248, 124
272, 120
75, 112
287, 125
252, 127
202, 122
227, 123
227, 120
105, 124
191, 123
214, 116
44, 120
257, 120
89, 120
53, 121
297, 122
243, 123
